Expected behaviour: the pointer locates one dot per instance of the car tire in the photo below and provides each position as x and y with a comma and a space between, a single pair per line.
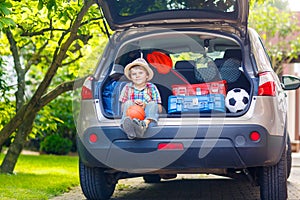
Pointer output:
153, 178
289, 157
95, 184
273, 180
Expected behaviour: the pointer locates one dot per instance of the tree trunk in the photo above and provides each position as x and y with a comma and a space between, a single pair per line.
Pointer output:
15, 149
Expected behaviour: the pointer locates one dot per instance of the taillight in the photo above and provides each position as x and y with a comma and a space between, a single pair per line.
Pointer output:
86, 90
254, 136
266, 84
170, 146
93, 138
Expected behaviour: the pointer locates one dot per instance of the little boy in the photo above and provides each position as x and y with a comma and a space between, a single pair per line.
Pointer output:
140, 92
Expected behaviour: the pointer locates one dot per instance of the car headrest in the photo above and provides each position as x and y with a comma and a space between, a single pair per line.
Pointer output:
185, 64
233, 53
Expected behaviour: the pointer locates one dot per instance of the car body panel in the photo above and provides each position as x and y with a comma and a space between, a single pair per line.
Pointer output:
231, 149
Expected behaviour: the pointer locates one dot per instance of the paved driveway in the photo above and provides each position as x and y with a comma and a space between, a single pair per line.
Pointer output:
192, 187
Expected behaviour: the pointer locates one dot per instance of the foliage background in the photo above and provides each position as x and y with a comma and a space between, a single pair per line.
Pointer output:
38, 29
279, 30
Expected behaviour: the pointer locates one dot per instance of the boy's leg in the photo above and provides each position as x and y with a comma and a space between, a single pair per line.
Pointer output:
151, 111
126, 105
139, 127
126, 123
128, 127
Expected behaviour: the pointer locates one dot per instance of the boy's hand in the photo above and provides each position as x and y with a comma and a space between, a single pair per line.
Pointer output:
140, 103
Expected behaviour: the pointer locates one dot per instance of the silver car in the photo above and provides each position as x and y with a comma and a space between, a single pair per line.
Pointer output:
224, 108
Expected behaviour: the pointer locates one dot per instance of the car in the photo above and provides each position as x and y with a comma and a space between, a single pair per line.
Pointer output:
224, 108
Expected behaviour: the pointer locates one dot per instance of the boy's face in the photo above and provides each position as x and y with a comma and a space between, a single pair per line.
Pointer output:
138, 75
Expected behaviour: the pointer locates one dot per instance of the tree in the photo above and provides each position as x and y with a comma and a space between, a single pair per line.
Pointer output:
48, 37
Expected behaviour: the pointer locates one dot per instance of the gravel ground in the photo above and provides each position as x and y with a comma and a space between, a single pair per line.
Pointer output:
192, 187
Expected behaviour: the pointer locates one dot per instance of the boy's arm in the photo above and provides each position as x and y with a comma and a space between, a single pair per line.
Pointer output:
159, 108
139, 102
123, 97
157, 98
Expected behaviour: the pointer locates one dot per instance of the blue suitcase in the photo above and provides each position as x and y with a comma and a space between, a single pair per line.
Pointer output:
196, 104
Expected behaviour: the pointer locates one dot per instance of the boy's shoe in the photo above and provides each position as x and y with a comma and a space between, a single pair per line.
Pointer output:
129, 128
140, 127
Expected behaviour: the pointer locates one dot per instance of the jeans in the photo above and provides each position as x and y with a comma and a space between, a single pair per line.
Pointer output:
151, 112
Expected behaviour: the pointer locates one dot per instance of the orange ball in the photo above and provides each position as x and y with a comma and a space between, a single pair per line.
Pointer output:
136, 111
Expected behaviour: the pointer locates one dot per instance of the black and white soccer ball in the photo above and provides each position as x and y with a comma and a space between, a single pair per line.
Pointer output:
236, 100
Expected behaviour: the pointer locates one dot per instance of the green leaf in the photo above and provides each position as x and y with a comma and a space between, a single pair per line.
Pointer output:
4, 8
41, 4
58, 120
51, 4
7, 21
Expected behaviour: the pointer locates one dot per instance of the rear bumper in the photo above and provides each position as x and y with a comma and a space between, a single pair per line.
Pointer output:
226, 146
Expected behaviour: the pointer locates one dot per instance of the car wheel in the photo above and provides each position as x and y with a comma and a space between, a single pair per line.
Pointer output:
153, 178
95, 184
289, 157
273, 180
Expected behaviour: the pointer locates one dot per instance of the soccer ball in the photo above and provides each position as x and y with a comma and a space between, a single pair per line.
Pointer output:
236, 100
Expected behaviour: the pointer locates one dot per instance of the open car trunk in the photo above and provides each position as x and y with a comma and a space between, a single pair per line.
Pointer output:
228, 14
193, 71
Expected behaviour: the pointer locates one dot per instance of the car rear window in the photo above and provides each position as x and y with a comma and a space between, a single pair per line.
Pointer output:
138, 7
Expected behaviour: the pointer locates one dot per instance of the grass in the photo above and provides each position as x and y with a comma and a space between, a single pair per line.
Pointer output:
39, 177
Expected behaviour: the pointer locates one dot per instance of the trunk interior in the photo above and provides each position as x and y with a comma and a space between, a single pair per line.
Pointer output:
194, 76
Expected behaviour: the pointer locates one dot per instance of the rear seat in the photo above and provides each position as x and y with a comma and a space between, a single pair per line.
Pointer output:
229, 53
164, 84
209, 73
230, 70
187, 70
